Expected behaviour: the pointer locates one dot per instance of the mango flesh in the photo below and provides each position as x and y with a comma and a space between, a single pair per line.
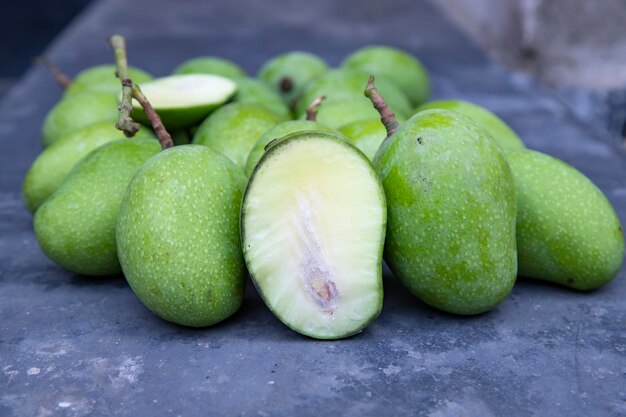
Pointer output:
277, 132
75, 227
56, 161
233, 129
77, 111
178, 236
102, 79
210, 65
451, 212
567, 230
313, 227
254, 91
367, 135
499, 130
344, 82
287, 73
399, 66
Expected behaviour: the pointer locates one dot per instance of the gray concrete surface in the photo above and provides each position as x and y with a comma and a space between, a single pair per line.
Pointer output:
73, 346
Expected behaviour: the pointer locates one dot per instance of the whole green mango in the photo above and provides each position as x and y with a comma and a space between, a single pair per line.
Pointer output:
451, 212
567, 230
76, 225
178, 235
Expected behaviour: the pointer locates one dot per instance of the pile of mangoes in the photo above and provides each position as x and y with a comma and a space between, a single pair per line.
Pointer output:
303, 178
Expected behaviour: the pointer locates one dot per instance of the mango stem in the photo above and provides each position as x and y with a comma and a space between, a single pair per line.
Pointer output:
387, 117
131, 91
59, 76
311, 111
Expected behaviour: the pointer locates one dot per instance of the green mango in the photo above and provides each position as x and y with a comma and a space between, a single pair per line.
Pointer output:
451, 212
102, 79
77, 111
254, 91
210, 65
178, 235
313, 227
339, 112
367, 135
342, 83
75, 227
399, 66
567, 230
234, 129
499, 130
278, 131
287, 73
56, 161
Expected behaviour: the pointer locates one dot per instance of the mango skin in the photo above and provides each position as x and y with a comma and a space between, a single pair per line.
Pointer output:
102, 79
399, 66
75, 227
57, 160
233, 129
250, 90
77, 111
499, 130
210, 65
300, 67
346, 82
278, 131
567, 230
450, 212
184, 259
367, 135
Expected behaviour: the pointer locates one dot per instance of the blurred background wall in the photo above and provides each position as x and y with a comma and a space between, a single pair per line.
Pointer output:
576, 46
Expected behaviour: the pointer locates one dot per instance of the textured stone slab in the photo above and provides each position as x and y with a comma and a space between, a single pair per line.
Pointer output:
71, 346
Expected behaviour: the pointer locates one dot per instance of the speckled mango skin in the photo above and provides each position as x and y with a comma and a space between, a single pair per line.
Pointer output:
300, 67
278, 131
346, 82
499, 130
210, 65
367, 135
250, 90
401, 68
567, 230
77, 111
76, 225
102, 79
450, 212
57, 160
178, 236
233, 129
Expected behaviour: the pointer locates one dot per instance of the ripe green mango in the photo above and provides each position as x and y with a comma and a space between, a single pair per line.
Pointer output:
178, 235
287, 73
342, 111
76, 225
250, 90
347, 82
499, 130
210, 65
102, 79
403, 69
567, 230
234, 129
57, 160
77, 111
451, 212
367, 135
